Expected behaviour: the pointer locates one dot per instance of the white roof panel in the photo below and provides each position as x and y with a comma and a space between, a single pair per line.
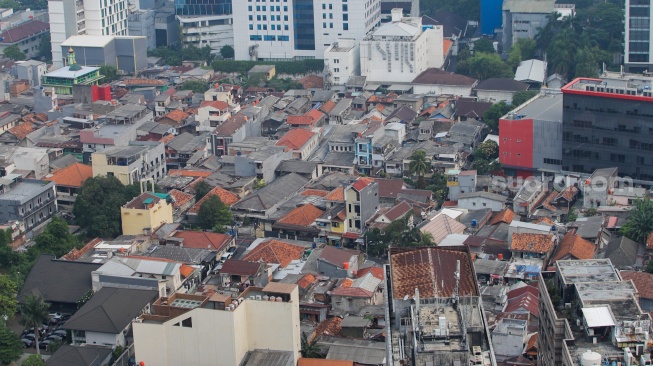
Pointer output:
87, 41
600, 316
531, 70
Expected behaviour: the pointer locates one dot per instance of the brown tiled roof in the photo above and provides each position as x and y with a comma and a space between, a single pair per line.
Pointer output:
328, 106
143, 82
203, 239
398, 211
181, 198
314, 192
569, 193
23, 31
389, 188
506, 215
351, 292
532, 243
547, 201
238, 267
531, 345
75, 254
431, 271
573, 246
312, 82
522, 290
526, 301
375, 271
438, 76
21, 130
336, 256
331, 327
295, 138
177, 115
232, 125
306, 281
302, 216
544, 220
299, 120
225, 196
338, 194
139, 201
275, 251
643, 282
217, 104
71, 176
190, 173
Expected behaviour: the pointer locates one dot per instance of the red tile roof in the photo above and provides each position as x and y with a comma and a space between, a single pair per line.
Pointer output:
331, 327
295, 138
338, 194
314, 192
23, 31
361, 183
337, 256
225, 196
180, 198
302, 216
203, 239
506, 215
217, 104
21, 130
328, 106
375, 271
398, 211
186, 270
573, 246
71, 176
525, 302
315, 115
306, 281
177, 115
75, 254
312, 82
299, 120
532, 243
522, 290
389, 188
190, 173
275, 251
643, 282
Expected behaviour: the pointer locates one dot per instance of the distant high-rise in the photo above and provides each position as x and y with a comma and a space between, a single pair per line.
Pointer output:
76, 17
637, 48
206, 23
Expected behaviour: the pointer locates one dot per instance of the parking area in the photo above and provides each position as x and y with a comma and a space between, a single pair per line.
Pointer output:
49, 333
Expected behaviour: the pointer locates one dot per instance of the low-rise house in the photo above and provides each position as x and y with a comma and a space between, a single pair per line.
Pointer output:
469, 133
31, 202
236, 275
211, 114
175, 118
440, 226
183, 149
413, 101
623, 253
165, 277
307, 169
499, 89
402, 114
438, 82
309, 120
160, 103
338, 263
533, 246
352, 296
68, 182
146, 213
460, 182
301, 142
482, 199
298, 223
132, 163
573, 247
181, 202
529, 197
262, 163
339, 111
558, 204
643, 282
87, 355
228, 198
274, 252
469, 110
532, 72
107, 317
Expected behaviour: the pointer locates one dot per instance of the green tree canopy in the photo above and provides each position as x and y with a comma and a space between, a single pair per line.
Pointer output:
483, 45
109, 72
97, 207
11, 347
487, 150
492, 115
56, 239
197, 86
8, 303
640, 222
14, 53
227, 51
34, 311
33, 360
214, 214
438, 185
522, 97
484, 66
419, 166
201, 189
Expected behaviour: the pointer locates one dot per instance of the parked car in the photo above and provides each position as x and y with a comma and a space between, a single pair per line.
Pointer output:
44, 344
226, 256
28, 343
29, 336
55, 315
231, 250
54, 337
61, 333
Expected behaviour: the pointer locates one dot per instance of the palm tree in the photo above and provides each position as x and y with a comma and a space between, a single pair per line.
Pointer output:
419, 166
310, 348
640, 221
34, 311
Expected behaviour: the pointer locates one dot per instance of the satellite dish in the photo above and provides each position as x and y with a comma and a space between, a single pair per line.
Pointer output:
405, 297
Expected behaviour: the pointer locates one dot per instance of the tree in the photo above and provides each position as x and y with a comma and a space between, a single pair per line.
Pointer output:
419, 166
34, 311
14, 53
227, 52
310, 349
522, 97
11, 347
640, 222
572, 215
527, 48
201, 189
485, 65
486, 166
591, 212
197, 86
483, 45
97, 207
45, 47
487, 150
7, 4
54, 346
438, 185
8, 304
214, 214
56, 239
33, 360
109, 72
492, 115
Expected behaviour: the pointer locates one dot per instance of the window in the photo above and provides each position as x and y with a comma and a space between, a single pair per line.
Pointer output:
188, 323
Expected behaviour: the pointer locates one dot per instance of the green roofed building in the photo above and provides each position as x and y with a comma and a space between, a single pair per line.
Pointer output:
63, 79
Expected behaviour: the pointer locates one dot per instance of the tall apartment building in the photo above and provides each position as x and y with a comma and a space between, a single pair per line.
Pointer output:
298, 29
400, 50
206, 22
77, 17
637, 46
607, 122
523, 18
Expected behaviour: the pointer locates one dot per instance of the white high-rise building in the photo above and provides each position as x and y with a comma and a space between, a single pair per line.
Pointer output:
298, 29
400, 50
78, 17
637, 47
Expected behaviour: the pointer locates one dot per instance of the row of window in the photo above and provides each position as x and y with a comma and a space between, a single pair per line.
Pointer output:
258, 37
264, 8
272, 17
265, 27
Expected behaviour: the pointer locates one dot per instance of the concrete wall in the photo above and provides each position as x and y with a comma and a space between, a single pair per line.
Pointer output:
105, 339
33, 210
142, 24
462, 90
135, 221
478, 203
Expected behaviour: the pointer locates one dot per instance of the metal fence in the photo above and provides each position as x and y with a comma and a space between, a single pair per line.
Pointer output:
123, 360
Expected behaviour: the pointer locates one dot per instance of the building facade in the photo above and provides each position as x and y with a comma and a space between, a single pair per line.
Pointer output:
145, 213
523, 19
606, 123
637, 45
341, 61
29, 201
131, 163
298, 29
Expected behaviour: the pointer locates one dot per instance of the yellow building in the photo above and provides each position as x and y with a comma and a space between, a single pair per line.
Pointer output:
130, 164
146, 213
219, 330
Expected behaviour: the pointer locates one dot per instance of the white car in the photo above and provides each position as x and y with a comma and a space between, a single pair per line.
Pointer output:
226, 256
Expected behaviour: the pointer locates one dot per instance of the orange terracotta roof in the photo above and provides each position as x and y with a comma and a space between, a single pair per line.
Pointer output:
180, 198
186, 270
569, 193
643, 282
328, 106
506, 215
299, 120
331, 326
167, 138
544, 220
547, 201
217, 104
190, 173
315, 114
361, 183
312, 81
347, 282
295, 138
446, 46
574, 246
314, 192
532, 243
75, 254
139, 82
531, 345
302, 216
306, 281
177, 115
375, 271
225, 196
21, 130
203, 239
275, 251
337, 194
71, 176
